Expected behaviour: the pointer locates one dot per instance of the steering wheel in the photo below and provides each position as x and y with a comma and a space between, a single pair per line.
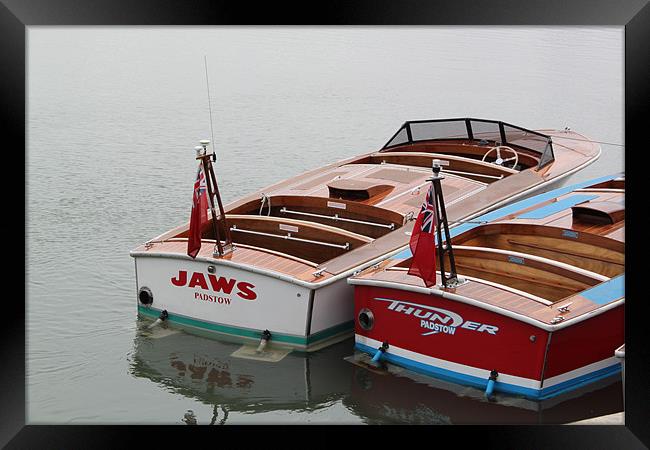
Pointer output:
499, 161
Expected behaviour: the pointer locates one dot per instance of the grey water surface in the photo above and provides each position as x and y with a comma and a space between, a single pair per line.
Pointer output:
113, 116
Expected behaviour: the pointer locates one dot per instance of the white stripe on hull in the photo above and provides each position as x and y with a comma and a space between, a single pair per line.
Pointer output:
607, 362
483, 373
448, 365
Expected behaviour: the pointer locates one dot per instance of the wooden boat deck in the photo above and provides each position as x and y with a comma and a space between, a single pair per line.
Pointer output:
335, 218
516, 287
408, 187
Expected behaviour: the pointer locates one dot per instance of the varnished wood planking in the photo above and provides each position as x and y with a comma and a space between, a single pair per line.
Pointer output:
500, 190
453, 188
319, 180
591, 252
494, 296
246, 256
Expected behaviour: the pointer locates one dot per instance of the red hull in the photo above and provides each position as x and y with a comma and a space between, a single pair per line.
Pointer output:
472, 341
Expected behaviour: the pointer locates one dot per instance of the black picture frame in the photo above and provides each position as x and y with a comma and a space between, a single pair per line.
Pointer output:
16, 15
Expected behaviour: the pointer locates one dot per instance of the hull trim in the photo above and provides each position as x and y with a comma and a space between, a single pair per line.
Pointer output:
301, 342
481, 383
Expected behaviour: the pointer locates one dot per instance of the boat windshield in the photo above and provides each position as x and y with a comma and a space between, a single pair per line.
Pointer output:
496, 132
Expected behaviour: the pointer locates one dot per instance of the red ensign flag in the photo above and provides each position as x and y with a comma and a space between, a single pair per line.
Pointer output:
423, 242
199, 213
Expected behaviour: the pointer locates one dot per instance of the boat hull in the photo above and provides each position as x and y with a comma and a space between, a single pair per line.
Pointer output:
223, 301
464, 343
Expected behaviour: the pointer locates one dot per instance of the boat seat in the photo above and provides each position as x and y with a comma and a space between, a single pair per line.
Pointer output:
458, 165
306, 240
543, 277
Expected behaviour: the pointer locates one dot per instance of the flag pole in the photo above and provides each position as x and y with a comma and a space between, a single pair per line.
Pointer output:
442, 225
204, 157
222, 213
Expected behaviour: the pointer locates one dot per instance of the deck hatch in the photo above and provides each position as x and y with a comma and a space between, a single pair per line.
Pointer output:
552, 208
356, 190
599, 212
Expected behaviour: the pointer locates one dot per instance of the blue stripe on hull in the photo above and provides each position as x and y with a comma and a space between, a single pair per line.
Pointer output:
480, 383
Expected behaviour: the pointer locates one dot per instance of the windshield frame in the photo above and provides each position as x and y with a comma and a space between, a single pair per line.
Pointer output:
547, 155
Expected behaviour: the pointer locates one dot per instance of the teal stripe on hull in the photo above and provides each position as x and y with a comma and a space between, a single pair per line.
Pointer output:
243, 332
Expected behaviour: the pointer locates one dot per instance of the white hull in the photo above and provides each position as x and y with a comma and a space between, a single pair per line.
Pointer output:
297, 316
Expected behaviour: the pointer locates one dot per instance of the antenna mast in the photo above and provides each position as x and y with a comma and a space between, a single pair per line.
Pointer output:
211, 182
207, 85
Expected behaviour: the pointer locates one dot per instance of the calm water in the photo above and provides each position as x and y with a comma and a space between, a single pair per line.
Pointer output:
113, 117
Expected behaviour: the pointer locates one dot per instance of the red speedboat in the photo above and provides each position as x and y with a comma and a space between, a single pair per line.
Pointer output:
538, 306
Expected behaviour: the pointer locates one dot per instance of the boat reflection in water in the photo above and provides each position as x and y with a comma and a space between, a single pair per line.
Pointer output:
205, 370
384, 393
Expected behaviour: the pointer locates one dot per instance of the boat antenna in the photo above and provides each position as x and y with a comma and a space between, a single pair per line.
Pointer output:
211, 181
207, 84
